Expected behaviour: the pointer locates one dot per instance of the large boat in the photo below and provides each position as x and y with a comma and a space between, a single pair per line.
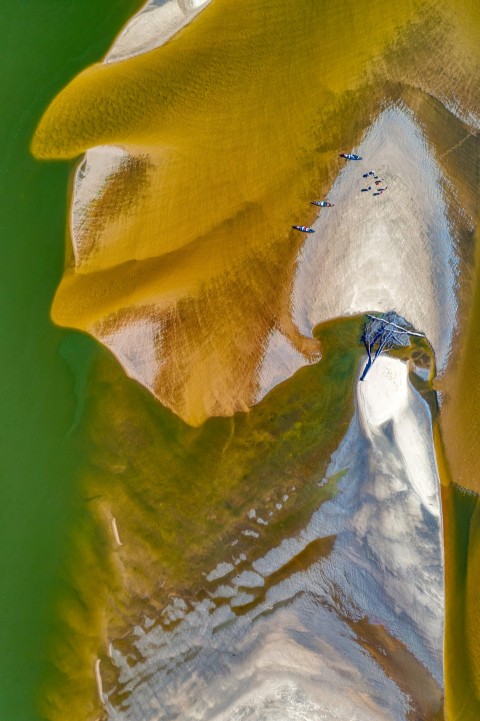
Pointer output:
303, 228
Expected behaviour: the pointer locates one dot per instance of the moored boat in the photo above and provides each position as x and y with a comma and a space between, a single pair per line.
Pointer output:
303, 228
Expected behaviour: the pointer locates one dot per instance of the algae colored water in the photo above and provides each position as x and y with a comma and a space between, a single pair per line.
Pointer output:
43, 46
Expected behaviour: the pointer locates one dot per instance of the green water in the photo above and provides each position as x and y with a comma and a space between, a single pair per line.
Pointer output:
43, 45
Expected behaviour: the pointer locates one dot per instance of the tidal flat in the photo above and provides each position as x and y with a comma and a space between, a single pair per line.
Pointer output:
256, 533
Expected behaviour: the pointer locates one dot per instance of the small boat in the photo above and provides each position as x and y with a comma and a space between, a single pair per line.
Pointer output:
322, 203
350, 156
365, 190
303, 228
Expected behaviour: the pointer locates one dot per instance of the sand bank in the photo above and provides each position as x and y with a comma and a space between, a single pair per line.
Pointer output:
156, 23
298, 640
393, 251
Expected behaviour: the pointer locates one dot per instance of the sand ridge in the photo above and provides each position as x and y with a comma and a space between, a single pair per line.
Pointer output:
152, 26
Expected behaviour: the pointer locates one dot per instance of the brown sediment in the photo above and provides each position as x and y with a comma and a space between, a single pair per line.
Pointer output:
411, 62
424, 694
316, 550
462, 573
122, 191
457, 151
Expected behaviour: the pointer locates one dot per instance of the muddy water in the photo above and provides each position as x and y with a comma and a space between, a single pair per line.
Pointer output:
200, 155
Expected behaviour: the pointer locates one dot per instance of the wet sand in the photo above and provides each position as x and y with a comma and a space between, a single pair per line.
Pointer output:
290, 630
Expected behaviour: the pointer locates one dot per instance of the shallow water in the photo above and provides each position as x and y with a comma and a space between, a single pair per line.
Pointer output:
285, 636
184, 265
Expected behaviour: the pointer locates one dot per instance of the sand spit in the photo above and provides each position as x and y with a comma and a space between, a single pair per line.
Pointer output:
393, 251
186, 209
156, 23
297, 643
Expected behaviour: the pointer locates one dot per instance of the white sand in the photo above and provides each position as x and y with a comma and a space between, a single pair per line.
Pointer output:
92, 175
98, 679
280, 361
386, 395
136, 346
393, 251
293, 656
389, 252
156, 23
115, 532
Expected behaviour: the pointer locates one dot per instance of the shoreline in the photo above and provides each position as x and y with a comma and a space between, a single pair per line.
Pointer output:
153, 26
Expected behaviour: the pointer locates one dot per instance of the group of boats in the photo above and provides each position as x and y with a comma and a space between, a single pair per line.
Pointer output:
325, 203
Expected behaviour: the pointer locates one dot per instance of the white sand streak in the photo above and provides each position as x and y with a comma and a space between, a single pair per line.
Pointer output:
115, 532
280, 361
387, 396
156, 23
136, 346
396, 521
392, 251
150, 28
98, 678
92, 176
